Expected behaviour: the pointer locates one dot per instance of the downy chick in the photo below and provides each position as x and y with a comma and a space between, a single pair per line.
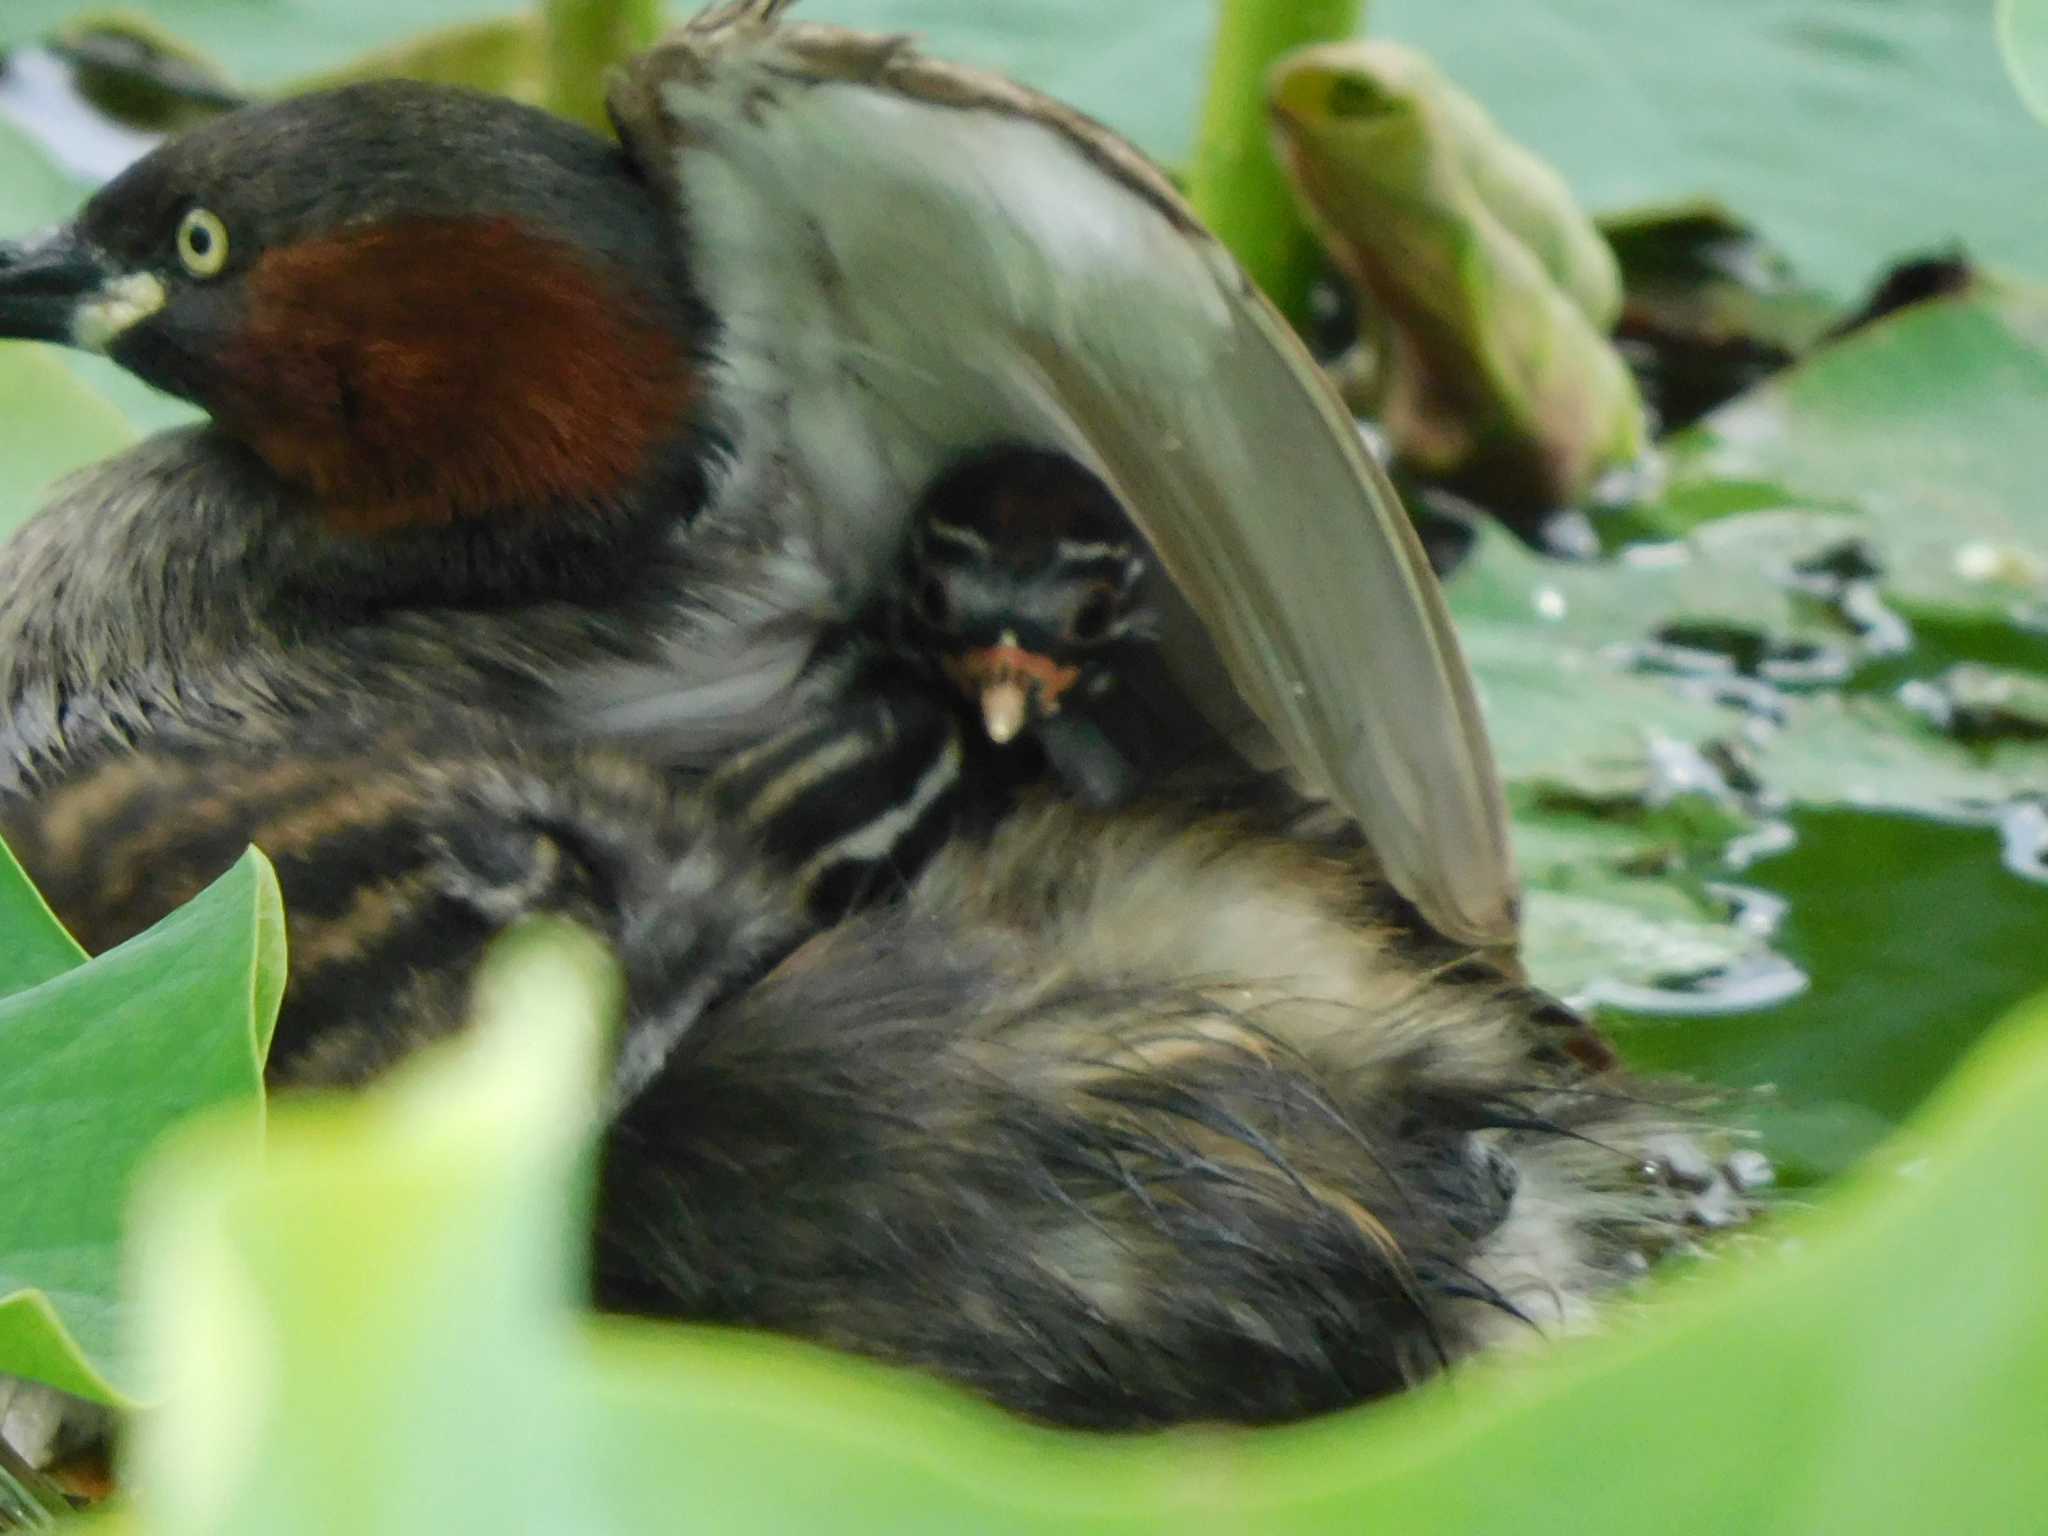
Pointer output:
1028, 585
1024, 596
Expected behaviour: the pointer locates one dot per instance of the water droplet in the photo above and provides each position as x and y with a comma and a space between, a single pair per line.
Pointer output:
2008, 567
1657, 557
1768, 840
1678, 768
1844, 576
1568, 535
2023, 840
1759, 914
1980, 704
1756, 981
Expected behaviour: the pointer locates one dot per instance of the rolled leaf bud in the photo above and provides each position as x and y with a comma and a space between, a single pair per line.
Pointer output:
1490, 291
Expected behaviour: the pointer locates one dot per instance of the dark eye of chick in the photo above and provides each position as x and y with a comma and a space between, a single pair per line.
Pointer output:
1092, 620
933, 606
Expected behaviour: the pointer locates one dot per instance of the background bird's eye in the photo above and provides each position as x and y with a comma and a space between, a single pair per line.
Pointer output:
933, 606
202, 242
1091, 621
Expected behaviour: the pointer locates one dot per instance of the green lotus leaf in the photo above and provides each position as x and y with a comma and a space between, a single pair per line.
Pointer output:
98, 1058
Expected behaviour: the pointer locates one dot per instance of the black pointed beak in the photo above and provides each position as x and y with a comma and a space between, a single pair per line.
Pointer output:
43, 280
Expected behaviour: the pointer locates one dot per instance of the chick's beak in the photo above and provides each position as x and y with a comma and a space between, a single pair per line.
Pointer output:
1013, 686
1004, 706
47, 282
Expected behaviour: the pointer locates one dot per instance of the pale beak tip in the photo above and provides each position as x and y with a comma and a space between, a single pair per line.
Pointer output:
1003, 707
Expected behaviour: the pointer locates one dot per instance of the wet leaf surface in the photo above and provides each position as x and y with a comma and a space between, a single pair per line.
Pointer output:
1925, 427
1624, 901
1847, 622
1912, 935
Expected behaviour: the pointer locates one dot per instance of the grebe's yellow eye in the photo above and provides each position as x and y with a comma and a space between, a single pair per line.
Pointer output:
202, 242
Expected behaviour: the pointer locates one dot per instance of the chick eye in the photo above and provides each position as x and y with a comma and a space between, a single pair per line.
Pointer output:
202, 242
1092, 620
933, 606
